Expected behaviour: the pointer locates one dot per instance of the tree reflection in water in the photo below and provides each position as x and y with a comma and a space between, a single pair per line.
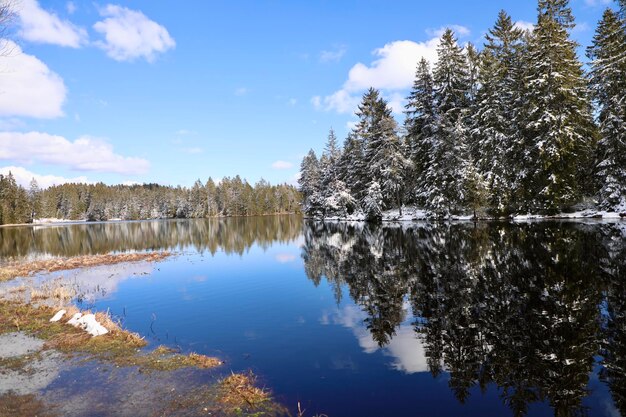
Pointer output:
524, 306
231, 235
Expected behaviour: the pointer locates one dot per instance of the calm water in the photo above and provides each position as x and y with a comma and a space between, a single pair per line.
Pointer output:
355, 320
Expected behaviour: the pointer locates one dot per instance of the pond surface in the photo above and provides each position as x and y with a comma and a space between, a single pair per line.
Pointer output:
420, 319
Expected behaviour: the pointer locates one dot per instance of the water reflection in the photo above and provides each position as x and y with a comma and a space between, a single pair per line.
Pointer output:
525, 306
232, 235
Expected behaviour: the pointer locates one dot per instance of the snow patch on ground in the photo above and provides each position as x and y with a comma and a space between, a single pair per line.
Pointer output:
584, 214
410, 214
48, 220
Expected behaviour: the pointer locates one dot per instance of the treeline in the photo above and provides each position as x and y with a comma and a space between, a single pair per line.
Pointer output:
517, 127
95, 202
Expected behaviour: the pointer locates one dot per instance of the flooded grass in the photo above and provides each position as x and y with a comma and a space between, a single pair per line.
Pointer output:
166, 359
13, 405
234, 395
16, 269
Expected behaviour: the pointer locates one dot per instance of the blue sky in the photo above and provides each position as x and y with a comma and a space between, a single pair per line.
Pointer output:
147, 91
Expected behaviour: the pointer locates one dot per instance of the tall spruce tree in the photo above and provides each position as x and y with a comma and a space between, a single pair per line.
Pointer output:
445, 176
310, 180
420, 125
608, 84
494, 126
378, 130
558, 126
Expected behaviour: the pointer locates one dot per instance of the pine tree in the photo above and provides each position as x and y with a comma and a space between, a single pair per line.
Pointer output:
558, 124
310, 179
34, 199
420, 125
608, 84
449, 155
494, 127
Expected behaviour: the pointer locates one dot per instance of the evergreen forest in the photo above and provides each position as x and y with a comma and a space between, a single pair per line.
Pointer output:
519, 126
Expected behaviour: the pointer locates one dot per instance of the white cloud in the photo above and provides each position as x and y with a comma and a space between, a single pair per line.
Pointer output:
28, 87
70, 7
193, 150
333, 55
581, 27
459, 31
341, 101
41, 26
241, 91
396, 101
292, 102
129, 34
84, 154
405, 347
284, 258
521, 24
185, 132
24, 176
282, 165
394, 68
393, 71
594, 3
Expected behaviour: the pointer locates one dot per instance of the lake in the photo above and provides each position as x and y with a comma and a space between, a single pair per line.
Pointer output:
413, 319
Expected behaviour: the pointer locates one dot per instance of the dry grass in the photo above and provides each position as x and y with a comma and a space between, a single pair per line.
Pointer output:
118, 346
12, 405
235, 395
165, 359
53, 293
23, 269
17, 363
16, 316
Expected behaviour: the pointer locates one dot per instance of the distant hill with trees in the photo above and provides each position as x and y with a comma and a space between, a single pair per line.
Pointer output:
95, 202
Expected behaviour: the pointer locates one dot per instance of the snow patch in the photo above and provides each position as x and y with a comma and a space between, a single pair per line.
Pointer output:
58, 316
88, 323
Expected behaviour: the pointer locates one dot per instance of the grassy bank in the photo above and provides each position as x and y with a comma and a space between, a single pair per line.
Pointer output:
20, 268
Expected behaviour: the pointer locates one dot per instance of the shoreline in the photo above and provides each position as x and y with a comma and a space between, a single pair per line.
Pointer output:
59, 222
416, 215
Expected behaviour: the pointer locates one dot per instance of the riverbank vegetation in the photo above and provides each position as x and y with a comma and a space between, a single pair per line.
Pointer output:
517, 127
96, 202
22, 268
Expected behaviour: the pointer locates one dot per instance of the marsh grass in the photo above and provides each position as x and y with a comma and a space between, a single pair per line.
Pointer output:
234, 395
12, 405
119, 346
166, 359
16, 269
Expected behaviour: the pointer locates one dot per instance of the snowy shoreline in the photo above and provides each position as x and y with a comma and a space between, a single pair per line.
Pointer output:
410, 214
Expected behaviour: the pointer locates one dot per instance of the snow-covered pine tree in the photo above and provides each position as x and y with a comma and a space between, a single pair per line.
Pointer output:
352, 167
608, 84
394, 168
494, 125
382, 149
474, 58
558, 127
310, 178
420, 125
445, 176
373, 202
